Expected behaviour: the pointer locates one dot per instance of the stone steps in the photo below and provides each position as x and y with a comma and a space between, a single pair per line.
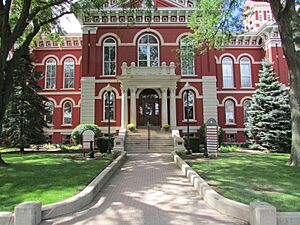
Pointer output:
160, 142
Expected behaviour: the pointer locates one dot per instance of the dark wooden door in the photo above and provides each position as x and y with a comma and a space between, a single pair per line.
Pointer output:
149, 108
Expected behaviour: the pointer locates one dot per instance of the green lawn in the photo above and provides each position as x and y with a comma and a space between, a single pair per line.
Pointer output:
246, 178
45, 177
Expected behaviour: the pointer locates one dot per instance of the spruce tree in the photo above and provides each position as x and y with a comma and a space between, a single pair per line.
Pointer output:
269, 124
24, 122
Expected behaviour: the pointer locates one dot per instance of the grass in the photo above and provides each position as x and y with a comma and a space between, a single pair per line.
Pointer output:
246, 178
47, 178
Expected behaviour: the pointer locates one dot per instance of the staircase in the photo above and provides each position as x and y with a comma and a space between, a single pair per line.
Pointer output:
160, 141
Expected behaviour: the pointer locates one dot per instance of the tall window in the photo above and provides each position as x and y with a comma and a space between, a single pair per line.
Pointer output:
69, 66
68, 112
49, 106
148, 51
109, 104
227, 70
245, 68
50, 73
109, 57
187, 58
229, 111
189, 105
246, 106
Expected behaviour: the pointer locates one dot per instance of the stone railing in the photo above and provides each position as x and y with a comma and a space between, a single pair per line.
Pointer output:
162, 70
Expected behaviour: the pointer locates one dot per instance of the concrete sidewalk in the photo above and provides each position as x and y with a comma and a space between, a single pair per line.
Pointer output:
149, 189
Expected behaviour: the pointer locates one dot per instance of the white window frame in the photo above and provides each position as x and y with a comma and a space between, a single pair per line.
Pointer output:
191, 93
113, 96
148, 45
228, 112
227, 64
71, 63
64, 118
245, 109
185, 44
109, 45
246, 77
52, 112
50, 63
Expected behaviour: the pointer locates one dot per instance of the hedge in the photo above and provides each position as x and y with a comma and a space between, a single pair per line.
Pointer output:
102, 143
77, 132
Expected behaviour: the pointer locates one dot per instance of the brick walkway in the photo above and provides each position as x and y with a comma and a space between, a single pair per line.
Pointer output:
149, 189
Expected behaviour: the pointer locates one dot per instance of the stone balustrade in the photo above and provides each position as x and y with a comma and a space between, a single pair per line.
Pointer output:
162, 70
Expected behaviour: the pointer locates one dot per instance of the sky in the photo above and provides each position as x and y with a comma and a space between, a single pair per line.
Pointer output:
70, 24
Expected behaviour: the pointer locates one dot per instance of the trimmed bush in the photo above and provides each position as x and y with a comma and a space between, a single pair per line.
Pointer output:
131, 126
70, 148
181, 153
77, 132
229, 148
102, 143
194, 143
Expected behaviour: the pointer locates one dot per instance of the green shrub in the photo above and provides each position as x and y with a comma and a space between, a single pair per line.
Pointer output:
116, 154
181, 153
102, 143
202, 134
166, 126
77, 132
220, 136
194, 143
229, 148
70, 148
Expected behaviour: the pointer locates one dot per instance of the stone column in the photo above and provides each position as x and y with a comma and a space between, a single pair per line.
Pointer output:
164, 107
124, 116
173, 122
87, 108
210, 107
133, 106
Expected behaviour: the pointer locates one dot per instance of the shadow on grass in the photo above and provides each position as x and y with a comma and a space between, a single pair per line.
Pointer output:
45, 178
247, 178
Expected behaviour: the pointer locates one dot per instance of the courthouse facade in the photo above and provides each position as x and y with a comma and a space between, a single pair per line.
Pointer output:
149, 67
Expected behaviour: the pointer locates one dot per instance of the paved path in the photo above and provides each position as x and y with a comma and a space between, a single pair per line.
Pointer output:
149, 189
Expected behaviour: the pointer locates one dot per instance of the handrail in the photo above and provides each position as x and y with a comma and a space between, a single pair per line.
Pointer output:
149, 138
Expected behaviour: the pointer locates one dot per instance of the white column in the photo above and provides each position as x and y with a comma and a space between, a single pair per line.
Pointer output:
133, 106
173, 122
124, 116
210, 107
164, 107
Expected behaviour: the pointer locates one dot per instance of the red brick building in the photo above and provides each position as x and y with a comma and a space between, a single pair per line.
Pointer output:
137, 54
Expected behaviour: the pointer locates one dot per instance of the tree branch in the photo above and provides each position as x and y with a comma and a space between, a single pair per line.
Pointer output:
44, 7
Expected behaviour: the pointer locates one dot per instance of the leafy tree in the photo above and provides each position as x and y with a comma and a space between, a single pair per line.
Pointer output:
20, 23
23, 124
269, 125
214, 20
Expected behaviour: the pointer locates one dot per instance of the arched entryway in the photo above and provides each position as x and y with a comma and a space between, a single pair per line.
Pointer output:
148, 109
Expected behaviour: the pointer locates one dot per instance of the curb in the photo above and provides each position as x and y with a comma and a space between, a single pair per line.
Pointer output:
86, 196
75, 202
211, 197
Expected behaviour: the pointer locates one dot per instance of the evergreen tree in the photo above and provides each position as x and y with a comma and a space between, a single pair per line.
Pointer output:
24, 122
269, 124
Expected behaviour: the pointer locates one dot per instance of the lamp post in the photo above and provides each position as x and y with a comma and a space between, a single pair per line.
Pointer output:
187, 114
109, 90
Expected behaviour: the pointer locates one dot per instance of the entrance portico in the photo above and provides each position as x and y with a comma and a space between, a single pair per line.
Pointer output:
162, 78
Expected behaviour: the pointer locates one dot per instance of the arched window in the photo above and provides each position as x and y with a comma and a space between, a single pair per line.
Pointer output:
246, 106
245, 68
227, 70
187, 58
148, 51
189, 105
49, 107
109, 56
229, 111
50, 73
69, 67
109, 106
68, 112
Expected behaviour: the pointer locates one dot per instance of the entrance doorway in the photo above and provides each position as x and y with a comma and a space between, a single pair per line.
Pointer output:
148, 108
